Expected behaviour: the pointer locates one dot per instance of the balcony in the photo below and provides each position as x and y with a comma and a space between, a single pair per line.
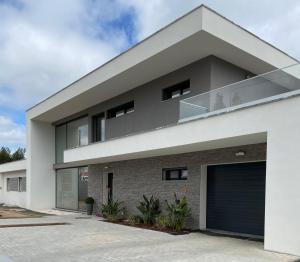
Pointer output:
274, 85
211, 133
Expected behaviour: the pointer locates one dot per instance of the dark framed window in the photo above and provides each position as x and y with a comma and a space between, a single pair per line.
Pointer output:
177, 90
17, 184
12, 184
178, 173
22, 184
71, 134
98, 127
121, 110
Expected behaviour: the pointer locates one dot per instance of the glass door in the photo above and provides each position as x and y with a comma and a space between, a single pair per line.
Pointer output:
67, 188
71, 188
99, 128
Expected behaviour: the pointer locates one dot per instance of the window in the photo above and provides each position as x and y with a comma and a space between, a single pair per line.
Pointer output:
177, 90
60, 142
16, 184
121, 110
69, 135
178, 173
13, 184
22, 184
77, 133
98, 128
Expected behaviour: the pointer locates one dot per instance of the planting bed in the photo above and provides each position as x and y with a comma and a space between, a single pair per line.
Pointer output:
150, 227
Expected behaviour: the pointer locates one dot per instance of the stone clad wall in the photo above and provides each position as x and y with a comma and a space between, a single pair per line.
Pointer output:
133, 178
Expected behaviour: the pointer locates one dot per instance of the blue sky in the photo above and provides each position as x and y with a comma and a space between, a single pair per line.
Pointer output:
45, 45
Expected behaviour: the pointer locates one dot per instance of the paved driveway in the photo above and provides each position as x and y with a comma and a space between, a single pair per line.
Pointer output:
93, 240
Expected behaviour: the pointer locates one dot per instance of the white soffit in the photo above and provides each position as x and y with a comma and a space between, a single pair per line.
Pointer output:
196, 35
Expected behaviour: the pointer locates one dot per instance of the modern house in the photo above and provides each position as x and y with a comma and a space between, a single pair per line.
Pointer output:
202, 108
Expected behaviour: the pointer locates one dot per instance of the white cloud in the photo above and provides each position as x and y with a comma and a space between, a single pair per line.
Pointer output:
11, 133
274, 21
153, 15
46, 45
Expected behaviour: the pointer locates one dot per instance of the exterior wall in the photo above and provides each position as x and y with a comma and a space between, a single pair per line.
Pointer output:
224, 73
40, 160
150, 111
134, 178
277, 123
12, 197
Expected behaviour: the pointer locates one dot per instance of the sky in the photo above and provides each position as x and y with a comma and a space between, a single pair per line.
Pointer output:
46, 45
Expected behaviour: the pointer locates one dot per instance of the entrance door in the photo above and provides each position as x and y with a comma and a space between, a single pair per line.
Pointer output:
110, 186
107, 187
236, 198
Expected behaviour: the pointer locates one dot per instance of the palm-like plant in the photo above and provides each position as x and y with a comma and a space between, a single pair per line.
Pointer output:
113, 210
149, 209
178, 212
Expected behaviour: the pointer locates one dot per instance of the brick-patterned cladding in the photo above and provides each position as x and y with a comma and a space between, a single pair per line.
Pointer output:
133, 178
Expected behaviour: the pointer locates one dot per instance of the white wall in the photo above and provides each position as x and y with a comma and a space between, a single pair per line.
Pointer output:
12, 197
40, 160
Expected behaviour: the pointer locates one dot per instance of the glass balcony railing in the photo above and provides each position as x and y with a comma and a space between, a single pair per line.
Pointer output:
270, 86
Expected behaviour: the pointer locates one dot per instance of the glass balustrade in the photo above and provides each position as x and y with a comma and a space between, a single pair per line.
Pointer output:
259, 89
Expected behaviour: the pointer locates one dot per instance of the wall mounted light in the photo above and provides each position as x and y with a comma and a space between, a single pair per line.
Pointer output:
240, 153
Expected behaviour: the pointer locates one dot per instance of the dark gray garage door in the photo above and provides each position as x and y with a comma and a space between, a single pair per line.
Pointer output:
236, 198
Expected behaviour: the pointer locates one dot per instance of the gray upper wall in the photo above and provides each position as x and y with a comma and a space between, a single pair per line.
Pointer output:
150, 111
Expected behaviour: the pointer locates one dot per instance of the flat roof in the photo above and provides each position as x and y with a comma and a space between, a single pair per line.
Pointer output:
13, 166
199, 33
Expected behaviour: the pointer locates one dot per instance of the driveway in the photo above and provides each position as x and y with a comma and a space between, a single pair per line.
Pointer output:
88, 239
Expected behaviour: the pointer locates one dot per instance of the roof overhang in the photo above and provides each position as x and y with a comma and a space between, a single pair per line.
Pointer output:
200, 33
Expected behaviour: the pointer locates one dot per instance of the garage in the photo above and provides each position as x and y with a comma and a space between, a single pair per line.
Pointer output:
236, 198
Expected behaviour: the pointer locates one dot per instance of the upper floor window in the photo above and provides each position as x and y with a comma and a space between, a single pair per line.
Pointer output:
121, 110
77, 132
98, 128
177, 90
69, 135
178, 173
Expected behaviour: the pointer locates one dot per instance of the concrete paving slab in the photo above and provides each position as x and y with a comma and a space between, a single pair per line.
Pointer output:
94, 240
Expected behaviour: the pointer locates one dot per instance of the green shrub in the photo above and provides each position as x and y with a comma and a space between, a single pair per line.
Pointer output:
89, 200
134, 220
178, 212
149, 209
162, 222
113, 210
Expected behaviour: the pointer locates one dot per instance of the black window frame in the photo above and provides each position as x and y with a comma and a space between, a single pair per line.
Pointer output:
179, 87
19, 187
127, 108
22, 189
95, 127
166, 173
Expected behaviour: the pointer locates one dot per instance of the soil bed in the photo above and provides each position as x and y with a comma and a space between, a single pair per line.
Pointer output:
17, 212
150, 227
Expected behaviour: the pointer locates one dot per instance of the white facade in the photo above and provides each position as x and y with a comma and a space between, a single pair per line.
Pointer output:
198, 34
15, 169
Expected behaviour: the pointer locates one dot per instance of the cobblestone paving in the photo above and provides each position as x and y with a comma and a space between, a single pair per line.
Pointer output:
93, 240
